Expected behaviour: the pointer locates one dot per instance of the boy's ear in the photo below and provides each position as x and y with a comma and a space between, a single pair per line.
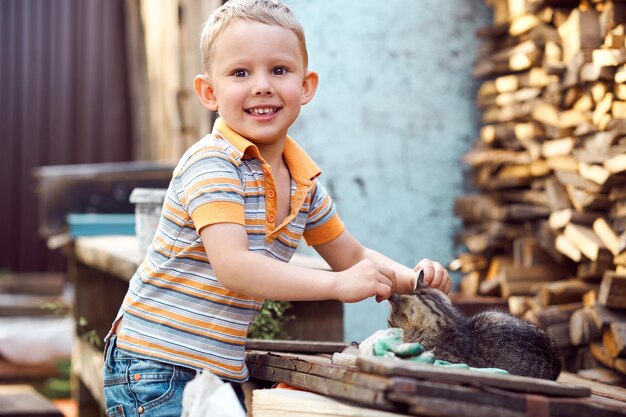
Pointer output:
309, 85
205, 92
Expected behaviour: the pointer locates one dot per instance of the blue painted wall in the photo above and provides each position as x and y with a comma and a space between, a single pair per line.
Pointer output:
393, 115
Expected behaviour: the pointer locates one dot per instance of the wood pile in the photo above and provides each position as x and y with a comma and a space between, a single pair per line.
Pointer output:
546, 228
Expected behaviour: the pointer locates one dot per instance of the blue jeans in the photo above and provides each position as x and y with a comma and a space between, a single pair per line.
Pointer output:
144, 388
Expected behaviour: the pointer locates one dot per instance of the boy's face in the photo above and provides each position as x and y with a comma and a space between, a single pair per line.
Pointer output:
257, 81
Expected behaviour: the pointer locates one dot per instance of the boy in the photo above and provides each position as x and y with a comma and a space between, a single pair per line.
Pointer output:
239, 201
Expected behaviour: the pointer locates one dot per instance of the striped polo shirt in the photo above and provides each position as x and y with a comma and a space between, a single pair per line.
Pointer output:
176, 310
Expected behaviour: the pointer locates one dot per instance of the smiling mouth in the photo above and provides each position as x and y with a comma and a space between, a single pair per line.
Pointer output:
263, 111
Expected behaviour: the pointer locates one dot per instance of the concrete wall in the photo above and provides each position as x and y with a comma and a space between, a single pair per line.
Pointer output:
393, 115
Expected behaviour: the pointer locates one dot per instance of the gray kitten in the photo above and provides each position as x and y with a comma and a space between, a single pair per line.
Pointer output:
490, 339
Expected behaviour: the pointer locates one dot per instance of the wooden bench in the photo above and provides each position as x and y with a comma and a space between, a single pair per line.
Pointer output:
25, 401
11, 373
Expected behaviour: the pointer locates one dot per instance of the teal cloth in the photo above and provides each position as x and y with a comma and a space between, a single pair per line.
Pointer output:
390, 345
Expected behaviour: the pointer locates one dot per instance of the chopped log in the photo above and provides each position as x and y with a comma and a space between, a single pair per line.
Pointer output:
562, 292
561, 218
548, 316
600, 353
584, 200
490, 287
616, 164
593, 172
557, 195
604, 316
612, 291
516, 280
585, 240
593, 270
614, 339
580, 32
606, 234
583, 328
518, 305
590, 298
528, 253
470, 283
551, 161
565, 246
560, 334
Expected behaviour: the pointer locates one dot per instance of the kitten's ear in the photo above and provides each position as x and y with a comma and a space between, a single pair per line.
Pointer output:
419, 281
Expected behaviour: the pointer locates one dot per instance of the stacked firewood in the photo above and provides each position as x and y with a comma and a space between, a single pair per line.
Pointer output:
547, 226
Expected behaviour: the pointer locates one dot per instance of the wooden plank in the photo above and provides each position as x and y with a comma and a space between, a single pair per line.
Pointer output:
444, 407
12, 305
46, 284
385, 366
427, 399
603, 375
316, 365
442, 399
295, 346
117, 255
88, 364
25, 401
597, 388
323, 385
286, 402
20, 373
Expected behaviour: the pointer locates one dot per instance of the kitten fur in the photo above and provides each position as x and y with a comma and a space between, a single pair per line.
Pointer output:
490, 339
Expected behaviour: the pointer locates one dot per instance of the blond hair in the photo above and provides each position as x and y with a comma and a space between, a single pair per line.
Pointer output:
270, 12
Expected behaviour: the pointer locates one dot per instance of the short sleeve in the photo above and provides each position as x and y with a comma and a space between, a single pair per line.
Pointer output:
210, 189
323, 223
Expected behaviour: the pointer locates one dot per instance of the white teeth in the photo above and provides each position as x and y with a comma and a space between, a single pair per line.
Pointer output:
265, 110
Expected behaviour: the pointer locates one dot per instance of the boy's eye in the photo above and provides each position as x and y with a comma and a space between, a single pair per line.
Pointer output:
280, 71
240, 73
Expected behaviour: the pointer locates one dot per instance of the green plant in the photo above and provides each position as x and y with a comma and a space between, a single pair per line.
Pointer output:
90, 336
269, 323
59, 386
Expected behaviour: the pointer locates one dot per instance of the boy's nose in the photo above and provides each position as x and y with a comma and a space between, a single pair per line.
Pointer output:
262, 87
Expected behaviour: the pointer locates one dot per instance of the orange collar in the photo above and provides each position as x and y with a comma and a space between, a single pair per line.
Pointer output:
301, 166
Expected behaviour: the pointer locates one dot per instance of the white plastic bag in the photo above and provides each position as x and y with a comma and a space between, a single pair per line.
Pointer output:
207, 396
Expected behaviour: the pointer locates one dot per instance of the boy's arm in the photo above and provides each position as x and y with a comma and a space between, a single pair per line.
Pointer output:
260, 276
345, 251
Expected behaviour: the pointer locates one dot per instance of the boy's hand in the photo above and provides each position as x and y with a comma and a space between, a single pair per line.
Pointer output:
435, 275
363, 280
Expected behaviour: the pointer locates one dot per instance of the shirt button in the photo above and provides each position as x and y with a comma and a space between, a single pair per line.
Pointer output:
136, 377
270, 218
271, 193
140, 410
